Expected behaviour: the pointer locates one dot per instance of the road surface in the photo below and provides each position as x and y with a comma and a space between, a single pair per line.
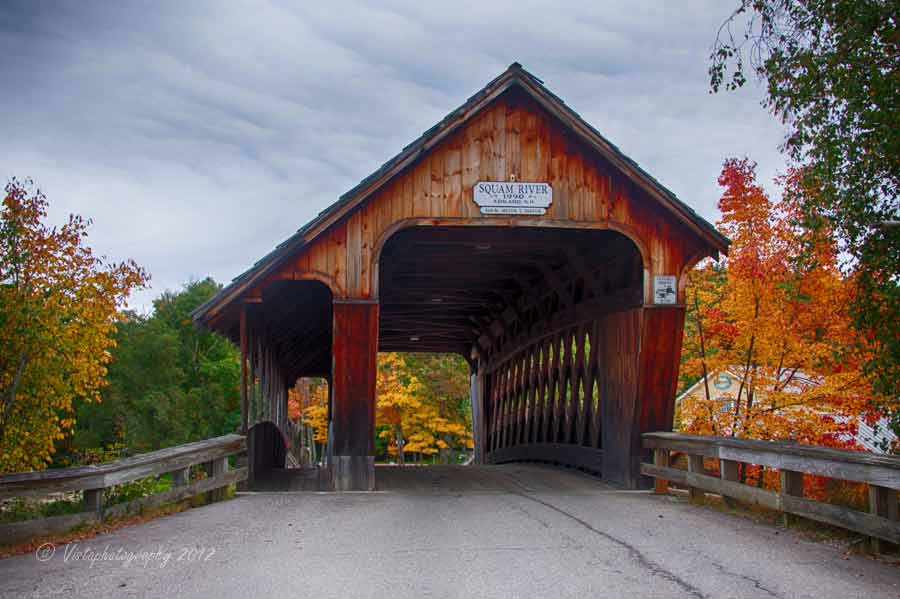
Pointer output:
505, 531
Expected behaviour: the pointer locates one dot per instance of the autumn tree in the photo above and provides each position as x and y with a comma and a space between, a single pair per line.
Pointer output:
308, 405
59, 304
421, 404
775, 315
445, 387
398, 400
832, 75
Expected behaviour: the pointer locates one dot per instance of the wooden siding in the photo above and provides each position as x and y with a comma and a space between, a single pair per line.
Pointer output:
511, 138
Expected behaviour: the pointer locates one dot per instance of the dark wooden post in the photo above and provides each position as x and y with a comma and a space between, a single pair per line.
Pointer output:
729, 470
354, 363
618, 373
695, 465
661, 459
476, 395
639, 351
244, 397
181, 477
215, 468
791, 484
883, 502
660, 358
93, 501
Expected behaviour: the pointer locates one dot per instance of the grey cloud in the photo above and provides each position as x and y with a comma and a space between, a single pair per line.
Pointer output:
198, 135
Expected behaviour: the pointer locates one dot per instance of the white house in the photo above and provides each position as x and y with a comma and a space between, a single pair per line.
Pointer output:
724, 385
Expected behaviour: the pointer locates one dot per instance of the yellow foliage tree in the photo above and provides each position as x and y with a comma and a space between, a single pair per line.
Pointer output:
312, 407
417, 405
58, 307
414, 411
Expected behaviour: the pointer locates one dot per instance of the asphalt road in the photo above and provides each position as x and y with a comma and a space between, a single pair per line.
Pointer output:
505, 531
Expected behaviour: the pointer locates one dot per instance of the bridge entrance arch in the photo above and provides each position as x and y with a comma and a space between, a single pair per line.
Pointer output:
514, 234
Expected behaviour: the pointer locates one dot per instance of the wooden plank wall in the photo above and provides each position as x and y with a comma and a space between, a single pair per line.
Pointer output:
512, 137
594, 386
619, 391
547, 392
264, 387
576, 387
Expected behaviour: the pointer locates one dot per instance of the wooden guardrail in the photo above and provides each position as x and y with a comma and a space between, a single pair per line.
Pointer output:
880, 472
92, 480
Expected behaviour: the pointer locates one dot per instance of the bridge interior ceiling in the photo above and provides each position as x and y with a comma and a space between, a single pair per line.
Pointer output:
295, 324
449, 289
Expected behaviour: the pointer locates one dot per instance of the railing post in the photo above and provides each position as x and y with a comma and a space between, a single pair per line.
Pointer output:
661, 460
93, 501
882, 502
180, 478
215, 468
791, 484
695, 465
729, 470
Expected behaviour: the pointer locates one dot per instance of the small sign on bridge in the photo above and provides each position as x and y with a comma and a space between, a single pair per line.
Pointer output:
496, 197
665, 289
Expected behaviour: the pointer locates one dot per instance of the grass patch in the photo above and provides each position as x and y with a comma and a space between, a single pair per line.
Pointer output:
20, 509
90, 530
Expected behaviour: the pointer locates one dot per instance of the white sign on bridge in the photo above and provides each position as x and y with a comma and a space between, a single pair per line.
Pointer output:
512, 197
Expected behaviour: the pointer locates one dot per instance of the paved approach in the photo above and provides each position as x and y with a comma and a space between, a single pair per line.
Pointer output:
504, 531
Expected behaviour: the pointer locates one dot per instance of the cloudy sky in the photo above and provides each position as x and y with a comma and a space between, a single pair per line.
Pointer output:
197, 135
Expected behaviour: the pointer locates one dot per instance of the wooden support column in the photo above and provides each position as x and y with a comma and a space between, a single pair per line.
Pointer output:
283, 403
477, 398
354, 363
660, 357
328, 458
637, 377
245, 398
618, 378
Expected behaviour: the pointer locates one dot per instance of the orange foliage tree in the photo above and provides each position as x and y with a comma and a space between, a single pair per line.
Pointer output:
59, 304
773, 313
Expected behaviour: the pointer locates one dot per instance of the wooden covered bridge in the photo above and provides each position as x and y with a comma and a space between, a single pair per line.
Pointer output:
512, 233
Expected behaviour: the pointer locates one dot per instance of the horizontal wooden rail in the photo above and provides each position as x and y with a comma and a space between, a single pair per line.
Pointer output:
93, 480
880, 472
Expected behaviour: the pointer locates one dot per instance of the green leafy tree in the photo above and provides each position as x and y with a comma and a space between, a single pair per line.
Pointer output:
169, 382
832, 74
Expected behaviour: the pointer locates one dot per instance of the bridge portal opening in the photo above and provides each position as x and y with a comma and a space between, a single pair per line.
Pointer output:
547, 320
423, 414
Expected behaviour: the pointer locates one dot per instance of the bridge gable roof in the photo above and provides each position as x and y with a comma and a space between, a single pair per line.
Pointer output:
514, 76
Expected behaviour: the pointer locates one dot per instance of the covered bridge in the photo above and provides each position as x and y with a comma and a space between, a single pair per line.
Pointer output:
512, 233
